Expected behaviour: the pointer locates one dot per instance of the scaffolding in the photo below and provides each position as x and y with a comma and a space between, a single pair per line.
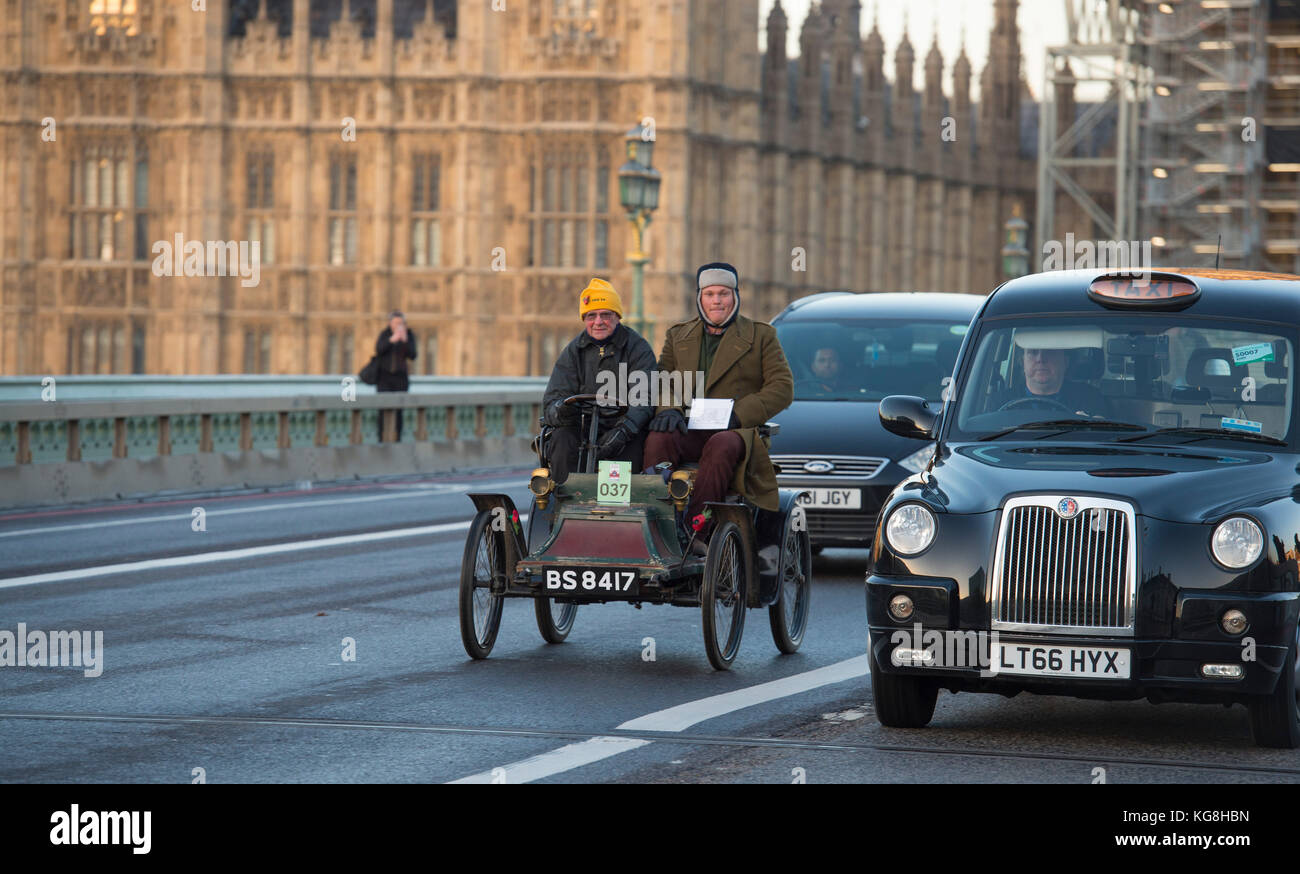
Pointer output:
1203, 160
1077, 153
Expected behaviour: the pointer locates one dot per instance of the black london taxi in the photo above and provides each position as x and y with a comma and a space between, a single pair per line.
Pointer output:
847, 352
1112, 508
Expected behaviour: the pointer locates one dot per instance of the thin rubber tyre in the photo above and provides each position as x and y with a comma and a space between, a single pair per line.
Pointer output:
480, 610
554, 620
789, 614
722, 595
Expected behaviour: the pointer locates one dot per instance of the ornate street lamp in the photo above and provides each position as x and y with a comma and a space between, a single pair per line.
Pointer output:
638, 192
1015, 254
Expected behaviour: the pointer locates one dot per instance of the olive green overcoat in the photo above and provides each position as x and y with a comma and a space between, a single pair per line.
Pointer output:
749, 367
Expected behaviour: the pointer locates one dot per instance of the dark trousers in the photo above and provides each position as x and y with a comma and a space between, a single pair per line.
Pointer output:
718, 453
392, 382
562, 452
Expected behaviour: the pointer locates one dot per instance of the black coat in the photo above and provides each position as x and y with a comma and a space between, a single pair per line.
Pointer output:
393, 372
576, 368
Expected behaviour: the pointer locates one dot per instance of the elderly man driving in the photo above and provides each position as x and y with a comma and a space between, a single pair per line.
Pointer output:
741, 360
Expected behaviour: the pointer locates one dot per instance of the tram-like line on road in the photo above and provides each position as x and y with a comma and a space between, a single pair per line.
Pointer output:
646, 737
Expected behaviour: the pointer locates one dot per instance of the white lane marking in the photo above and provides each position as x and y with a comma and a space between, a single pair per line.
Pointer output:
563, 759
677, 718
432, 489
228, 555
683, 716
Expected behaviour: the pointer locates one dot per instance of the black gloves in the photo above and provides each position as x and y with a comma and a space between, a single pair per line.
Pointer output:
558, 415
669, 420
614, 441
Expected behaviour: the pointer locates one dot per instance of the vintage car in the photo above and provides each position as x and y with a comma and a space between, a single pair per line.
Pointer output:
1112, 508
605, 535
847, 352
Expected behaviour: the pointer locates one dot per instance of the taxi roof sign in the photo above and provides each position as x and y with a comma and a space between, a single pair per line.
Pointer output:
1151, 290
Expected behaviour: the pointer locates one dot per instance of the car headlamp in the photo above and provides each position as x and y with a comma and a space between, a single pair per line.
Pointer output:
916, 462
679, 488
541, 485
1237, 542
910, 529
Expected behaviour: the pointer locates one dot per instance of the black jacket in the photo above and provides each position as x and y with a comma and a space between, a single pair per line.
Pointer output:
394, 373
576, 368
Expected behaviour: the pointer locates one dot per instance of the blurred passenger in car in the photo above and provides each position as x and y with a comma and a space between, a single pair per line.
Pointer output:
826, 367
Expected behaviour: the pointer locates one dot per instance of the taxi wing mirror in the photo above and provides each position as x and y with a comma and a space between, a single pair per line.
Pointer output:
908, 416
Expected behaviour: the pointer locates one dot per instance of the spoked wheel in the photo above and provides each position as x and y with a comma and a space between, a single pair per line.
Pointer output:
722, 595
480, 610
789, 615
554, 620
1275, 718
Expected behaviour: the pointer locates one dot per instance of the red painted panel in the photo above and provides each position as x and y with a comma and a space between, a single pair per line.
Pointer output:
583, 538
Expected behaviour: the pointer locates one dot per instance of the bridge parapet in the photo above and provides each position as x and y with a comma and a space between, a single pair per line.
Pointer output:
58, 452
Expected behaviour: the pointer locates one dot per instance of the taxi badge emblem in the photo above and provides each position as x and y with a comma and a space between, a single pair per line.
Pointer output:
1067, 508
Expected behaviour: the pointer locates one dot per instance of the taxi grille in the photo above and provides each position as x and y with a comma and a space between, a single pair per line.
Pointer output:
843, 466
1068, 576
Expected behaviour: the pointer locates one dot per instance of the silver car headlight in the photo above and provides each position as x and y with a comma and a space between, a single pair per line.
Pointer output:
910, 529
917, 461
1237, 542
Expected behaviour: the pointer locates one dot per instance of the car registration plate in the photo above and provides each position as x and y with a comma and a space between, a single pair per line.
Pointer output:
837, 499
1104, 663
595, 581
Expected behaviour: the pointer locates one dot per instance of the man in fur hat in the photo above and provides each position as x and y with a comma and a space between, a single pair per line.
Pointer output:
741, 360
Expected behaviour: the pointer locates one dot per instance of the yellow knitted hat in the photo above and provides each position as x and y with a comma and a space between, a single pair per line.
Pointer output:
599, 295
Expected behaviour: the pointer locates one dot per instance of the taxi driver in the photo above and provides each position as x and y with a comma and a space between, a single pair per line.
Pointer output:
1045, 371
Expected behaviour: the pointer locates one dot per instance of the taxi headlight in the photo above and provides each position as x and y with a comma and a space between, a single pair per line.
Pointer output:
1237, 542
916, 462
910, 529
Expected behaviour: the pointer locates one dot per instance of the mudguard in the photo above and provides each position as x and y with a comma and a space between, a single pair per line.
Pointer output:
505, 521
770, 528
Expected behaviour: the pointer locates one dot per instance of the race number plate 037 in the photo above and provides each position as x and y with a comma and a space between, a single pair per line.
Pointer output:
594, 581
614, 482
1098, 663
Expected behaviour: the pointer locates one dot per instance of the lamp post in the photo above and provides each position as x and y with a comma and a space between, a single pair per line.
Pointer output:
638, 192
1015, 254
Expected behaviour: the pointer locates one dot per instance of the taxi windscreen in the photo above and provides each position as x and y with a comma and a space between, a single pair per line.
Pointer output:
1143, 374
859, 360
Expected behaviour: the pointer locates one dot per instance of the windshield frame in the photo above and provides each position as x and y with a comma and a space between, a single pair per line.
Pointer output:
982, 325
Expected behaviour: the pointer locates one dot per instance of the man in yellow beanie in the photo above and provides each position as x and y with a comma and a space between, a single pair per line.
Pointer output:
603, 345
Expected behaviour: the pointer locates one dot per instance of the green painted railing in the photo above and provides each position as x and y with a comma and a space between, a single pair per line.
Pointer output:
98, 430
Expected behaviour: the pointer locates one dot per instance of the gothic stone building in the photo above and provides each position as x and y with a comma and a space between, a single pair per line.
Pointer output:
457, 159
